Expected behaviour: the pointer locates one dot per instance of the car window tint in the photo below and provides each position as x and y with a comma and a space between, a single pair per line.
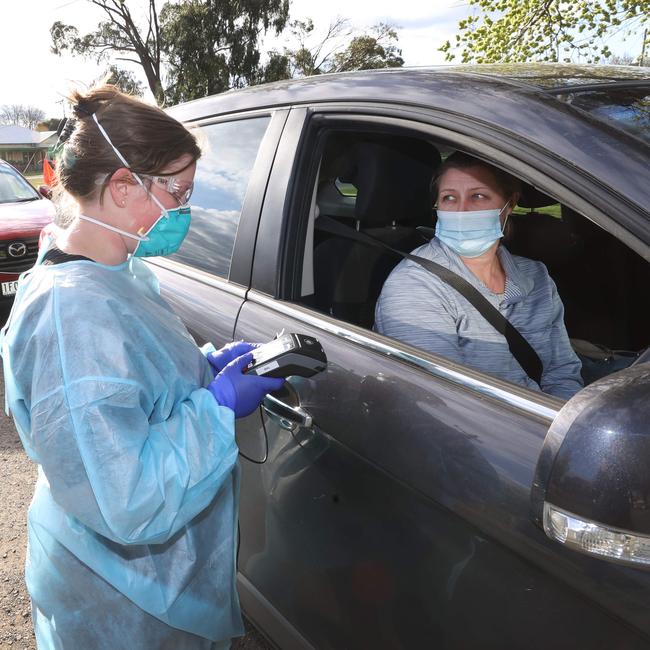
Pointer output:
229, 150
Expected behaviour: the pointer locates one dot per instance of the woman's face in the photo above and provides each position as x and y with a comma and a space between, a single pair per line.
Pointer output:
147, 211
473, 188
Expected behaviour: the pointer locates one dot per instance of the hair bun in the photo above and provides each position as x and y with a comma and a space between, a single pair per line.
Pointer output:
85, 104
81, 108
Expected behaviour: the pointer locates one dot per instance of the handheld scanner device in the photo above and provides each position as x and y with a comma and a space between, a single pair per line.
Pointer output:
290, 354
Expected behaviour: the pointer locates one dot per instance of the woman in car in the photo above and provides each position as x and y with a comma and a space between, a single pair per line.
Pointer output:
132, 529
474, 201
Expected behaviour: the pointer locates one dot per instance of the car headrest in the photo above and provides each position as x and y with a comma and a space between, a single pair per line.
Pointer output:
543, 237
393, 181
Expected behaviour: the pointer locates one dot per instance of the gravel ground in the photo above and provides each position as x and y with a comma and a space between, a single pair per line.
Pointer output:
17, 477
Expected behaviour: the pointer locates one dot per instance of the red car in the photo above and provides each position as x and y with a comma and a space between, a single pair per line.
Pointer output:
23, 213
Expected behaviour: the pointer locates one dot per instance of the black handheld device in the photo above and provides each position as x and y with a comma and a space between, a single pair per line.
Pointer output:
289, 354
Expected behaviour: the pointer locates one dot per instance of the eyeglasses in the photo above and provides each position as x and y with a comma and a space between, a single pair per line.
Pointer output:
178, 189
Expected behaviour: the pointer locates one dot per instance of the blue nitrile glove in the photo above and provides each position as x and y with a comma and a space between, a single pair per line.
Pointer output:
229, 352
240, 392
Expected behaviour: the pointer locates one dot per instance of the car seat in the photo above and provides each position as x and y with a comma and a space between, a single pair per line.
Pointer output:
392, 176
593, 272
604, 307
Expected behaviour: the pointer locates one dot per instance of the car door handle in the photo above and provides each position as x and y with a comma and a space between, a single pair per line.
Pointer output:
288, 417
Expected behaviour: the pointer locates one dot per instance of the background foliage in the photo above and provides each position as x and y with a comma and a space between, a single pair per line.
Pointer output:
194, 48
510, 31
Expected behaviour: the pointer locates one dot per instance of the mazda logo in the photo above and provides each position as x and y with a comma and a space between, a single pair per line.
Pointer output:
17, 249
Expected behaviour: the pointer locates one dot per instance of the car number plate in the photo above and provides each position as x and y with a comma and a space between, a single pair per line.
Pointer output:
9, 288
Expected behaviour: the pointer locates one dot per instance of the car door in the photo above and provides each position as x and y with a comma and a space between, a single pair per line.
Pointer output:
386, 501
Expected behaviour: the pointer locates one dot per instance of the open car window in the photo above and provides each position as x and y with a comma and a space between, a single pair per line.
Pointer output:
380, 184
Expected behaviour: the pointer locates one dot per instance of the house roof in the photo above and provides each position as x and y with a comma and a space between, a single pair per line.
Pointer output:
19, 135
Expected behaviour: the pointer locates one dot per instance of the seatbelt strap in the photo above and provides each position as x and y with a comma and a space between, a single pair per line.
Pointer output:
520, 348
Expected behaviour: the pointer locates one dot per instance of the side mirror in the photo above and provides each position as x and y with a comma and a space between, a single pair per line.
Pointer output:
592, 483
45, 191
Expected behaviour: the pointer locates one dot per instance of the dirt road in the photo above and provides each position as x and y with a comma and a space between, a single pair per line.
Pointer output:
17, 476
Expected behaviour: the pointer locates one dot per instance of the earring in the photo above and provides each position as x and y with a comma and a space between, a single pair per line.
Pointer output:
123, 202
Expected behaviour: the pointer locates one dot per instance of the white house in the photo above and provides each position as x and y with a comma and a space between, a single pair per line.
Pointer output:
24, 148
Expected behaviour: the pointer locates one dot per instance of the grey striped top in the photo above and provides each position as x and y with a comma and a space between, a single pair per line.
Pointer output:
418, 308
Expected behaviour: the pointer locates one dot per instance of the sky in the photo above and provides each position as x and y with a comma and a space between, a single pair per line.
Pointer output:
31, 74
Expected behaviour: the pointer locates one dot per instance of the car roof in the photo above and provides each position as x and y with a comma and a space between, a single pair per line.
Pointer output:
556, 75
409, 85
518, 102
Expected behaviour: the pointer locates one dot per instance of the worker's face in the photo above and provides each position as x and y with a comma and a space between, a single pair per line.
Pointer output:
473, 188
143, 211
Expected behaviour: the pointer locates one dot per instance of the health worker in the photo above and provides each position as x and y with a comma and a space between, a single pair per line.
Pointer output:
132, 528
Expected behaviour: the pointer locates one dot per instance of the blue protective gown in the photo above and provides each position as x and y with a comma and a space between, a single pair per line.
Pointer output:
132, 528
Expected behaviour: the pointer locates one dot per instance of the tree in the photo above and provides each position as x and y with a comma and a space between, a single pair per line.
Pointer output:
212, 45
334, 52
123, 79
371, 51
628, 59
207, 45
21, 115
51, 124
307, 57
118, 34
277, 68
510, 31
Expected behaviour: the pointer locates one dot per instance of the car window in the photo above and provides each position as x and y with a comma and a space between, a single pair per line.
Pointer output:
14, 188
380, 185
229, 150
626, 108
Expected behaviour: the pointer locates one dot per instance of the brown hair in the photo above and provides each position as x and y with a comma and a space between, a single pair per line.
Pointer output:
507, 183
146, 136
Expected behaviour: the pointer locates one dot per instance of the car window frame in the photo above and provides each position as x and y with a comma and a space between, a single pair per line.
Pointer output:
241, 264
278, 286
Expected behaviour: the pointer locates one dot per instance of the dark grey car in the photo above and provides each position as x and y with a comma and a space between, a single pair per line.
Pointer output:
398, 499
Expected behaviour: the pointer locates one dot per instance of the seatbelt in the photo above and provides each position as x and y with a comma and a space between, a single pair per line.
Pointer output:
520, 348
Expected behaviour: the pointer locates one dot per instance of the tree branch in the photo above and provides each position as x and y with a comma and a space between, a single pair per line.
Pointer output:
119, 58
530, 22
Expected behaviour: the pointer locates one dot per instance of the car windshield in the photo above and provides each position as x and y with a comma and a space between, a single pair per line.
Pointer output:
624, 105
619, 95
14, 188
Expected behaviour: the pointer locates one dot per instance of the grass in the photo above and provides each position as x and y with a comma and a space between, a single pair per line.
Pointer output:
553, 210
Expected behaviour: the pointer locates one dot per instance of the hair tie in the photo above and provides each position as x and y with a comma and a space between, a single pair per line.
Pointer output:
79, 107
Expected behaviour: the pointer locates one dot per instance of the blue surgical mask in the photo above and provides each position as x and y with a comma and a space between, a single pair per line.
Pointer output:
163, 238
470, 234
168, 231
